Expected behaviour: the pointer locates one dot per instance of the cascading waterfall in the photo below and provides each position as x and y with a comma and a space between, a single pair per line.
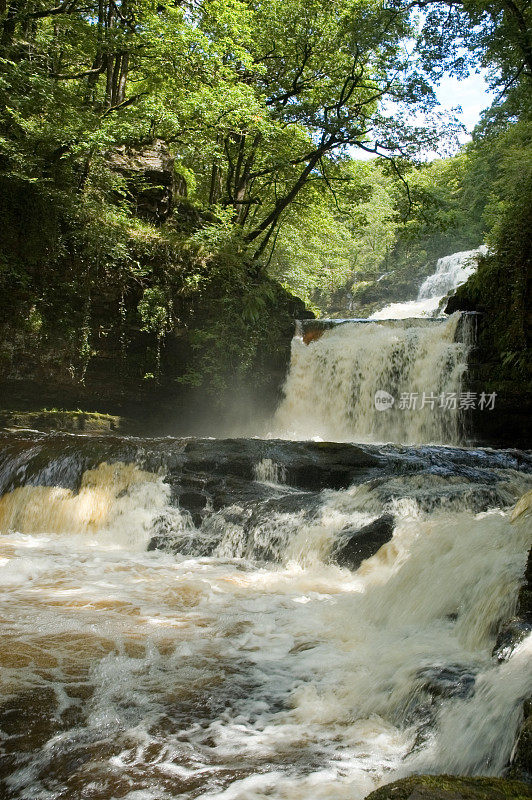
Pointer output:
403, 352
237, 659
451, 271
252, 619
335, 383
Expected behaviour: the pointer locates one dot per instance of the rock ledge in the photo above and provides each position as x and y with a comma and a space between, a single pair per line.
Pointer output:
450, 787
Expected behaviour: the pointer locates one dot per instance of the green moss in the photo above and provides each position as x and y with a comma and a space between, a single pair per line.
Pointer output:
501, 290
449, 787
105, 311
53, 419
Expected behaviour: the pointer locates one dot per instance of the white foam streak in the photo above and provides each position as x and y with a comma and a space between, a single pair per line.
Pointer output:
267, 471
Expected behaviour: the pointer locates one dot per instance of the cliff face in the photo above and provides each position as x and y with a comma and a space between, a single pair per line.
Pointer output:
182, 397
136, 305
501, 362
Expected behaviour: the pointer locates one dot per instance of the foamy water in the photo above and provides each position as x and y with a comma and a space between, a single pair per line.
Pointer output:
151, 675
451, 271
332, 383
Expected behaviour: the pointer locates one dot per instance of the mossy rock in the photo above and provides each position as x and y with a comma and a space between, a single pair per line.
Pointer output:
449, 787
521, 767
72, 421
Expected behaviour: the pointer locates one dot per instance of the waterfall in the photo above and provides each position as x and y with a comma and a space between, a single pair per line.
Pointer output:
238, 659
113, 500
377, 381
451, 271
395, 377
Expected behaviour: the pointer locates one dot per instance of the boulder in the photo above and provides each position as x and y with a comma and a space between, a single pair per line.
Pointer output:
450, 787
364, 542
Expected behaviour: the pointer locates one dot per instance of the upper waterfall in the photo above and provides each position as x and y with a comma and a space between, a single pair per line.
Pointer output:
396, 377
451, 271
394, 381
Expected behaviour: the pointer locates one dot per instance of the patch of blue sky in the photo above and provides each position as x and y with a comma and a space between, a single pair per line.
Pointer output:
471, 94
463, 99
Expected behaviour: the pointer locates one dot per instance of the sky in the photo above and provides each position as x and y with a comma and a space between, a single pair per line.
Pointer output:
472, 94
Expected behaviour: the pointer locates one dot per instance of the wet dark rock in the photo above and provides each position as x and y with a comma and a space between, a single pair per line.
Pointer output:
521, 766
433, 686
308, 465
301, 503
520, 626
452, 787
512, 633
226, 491
332, 466
155, 543
365, 542
224, 469
251, 510
51, 460
194, 503
452, 680
474, 497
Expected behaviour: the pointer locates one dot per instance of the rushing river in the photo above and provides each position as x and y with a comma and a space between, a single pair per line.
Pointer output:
282, 618
179, 617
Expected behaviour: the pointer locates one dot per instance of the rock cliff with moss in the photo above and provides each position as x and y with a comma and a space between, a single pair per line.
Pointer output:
133, 300
501, 360
450, 787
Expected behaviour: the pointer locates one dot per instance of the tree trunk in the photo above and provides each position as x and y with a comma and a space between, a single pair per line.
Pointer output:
8, 31
121, 93
215, 189
115, 79
269, 223
99, 64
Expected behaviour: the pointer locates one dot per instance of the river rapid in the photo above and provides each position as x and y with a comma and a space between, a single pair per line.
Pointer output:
176, 620
298, 617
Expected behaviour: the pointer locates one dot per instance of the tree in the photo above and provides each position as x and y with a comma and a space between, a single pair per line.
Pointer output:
460, 35
324, 74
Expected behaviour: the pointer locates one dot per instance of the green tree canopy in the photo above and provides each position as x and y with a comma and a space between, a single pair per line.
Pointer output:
256, 98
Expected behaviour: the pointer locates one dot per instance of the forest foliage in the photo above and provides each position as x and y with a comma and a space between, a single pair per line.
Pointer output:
264, 105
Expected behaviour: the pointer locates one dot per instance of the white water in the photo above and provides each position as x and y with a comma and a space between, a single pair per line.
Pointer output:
149, 676
332, 383
153, 675
451, 271
268, 471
